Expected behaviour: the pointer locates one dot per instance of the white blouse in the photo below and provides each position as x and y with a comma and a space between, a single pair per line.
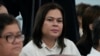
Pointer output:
94, 52
32, 50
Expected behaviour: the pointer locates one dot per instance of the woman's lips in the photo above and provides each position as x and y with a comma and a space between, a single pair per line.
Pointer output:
18, 47
54, 30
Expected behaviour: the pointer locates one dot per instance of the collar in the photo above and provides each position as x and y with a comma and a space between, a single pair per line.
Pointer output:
45, 46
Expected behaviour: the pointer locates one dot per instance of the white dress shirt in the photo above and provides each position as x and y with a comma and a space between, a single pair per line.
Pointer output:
94, 52
32, 50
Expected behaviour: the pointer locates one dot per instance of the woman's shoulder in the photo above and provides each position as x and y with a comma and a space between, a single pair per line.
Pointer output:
71, 47
30, 45
68, 41
28, 49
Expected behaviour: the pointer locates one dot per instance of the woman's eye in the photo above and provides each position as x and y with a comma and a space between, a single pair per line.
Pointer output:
49, 19
59, 20
18, 36
8, 36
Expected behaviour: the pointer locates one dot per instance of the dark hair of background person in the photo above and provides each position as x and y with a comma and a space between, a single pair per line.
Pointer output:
5, 20
39, 20
85, 43
80, 8
96, 33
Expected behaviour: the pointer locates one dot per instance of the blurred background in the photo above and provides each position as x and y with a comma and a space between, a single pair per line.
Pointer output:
92, 2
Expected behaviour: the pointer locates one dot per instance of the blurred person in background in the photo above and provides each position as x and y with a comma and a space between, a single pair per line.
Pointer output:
95, 50
85, 43
80, 8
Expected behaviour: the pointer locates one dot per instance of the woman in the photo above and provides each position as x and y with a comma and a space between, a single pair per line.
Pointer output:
48, 34
85, 43
95, 50
11, 38
80, 8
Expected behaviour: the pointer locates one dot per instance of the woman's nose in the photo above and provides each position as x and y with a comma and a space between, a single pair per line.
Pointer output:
55, 23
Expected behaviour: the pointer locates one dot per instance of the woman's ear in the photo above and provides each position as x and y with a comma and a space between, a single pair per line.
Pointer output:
91, 26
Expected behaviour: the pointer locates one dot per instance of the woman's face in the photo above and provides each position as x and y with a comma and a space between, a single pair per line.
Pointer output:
53, 24
10, 41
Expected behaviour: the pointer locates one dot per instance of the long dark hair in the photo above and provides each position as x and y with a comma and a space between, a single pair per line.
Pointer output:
96, 33
90, 14
39, 20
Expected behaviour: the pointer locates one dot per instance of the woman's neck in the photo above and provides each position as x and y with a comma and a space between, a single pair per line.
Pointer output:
49, 42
